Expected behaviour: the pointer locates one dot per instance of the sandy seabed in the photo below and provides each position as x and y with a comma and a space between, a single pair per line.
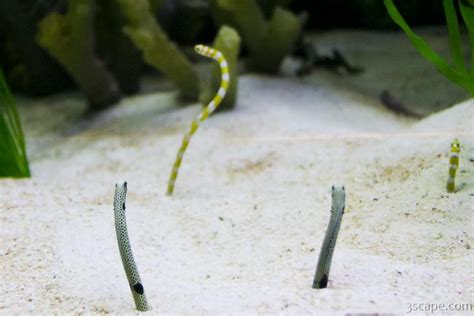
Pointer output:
242, 232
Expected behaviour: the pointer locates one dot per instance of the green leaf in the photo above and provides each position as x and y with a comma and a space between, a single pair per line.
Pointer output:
467, 13
13, 160
458, 77
454, 37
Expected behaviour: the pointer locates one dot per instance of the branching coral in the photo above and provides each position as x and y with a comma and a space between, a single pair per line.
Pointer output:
268, 6
115, 48
26, 65
228, 42
70, 39
268, 42
157, 49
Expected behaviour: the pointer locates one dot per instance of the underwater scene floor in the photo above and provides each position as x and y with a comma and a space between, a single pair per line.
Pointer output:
243, 230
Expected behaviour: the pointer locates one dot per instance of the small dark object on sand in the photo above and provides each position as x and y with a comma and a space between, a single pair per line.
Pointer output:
396, 106
312, 59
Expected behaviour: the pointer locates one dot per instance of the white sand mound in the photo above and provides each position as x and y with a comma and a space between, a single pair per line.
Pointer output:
459, 118
242, 232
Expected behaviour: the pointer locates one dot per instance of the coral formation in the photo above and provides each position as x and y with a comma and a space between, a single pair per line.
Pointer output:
26, 65
267, 6
121, 57
268, 41
70, 40
157, 49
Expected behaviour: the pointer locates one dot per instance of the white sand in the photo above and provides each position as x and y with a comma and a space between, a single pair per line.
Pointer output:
243, 231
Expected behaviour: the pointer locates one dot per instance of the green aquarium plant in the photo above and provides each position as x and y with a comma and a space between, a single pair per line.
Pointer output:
227, 41
458, 72
268, 40
158, 51
70, 39
13, 160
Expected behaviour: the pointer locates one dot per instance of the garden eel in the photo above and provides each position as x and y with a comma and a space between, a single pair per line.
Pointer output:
125, 250
453, 165
324, 264
219, 57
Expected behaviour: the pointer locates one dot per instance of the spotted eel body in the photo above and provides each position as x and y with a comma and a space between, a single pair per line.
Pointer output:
219, 57
324, 264
453, 165
125, 250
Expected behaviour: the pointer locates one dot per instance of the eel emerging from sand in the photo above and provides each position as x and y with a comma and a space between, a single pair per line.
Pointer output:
324, 264
225, 78
125, 249
453, 165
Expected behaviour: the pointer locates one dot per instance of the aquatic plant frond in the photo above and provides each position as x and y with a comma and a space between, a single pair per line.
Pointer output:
467, 12
454, 36
13, 160
457, 73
